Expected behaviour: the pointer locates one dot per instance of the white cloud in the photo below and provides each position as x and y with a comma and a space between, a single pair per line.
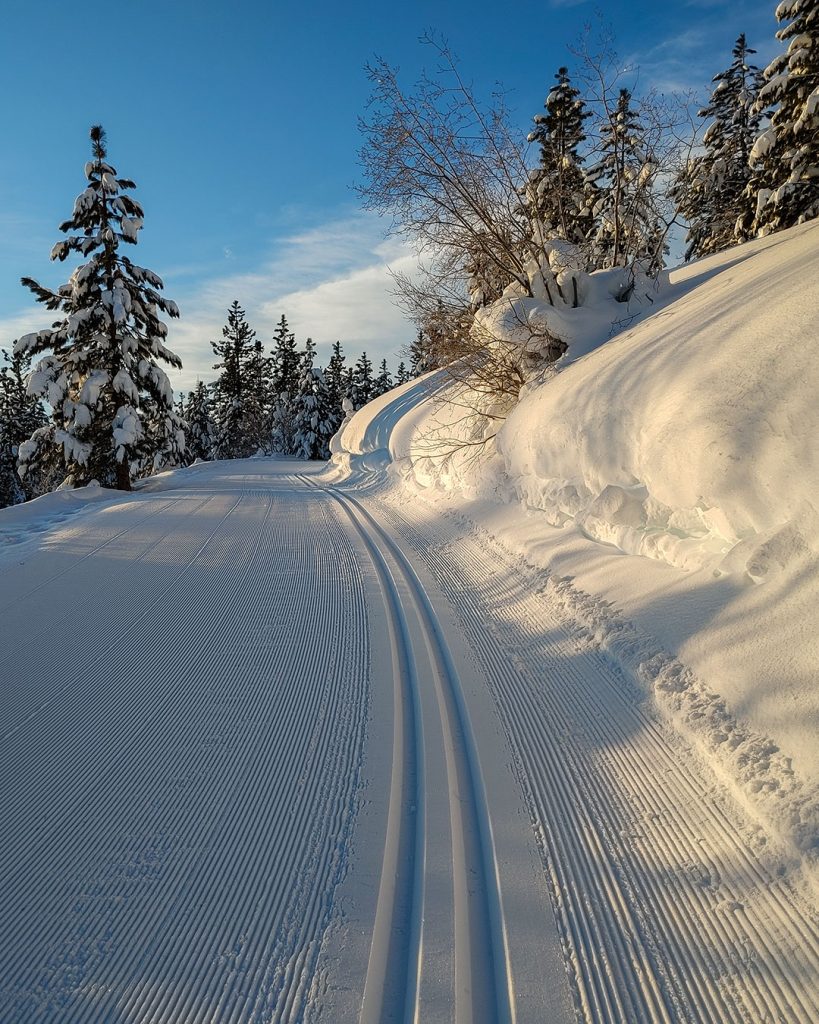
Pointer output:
689, 59
25, 321
332, 282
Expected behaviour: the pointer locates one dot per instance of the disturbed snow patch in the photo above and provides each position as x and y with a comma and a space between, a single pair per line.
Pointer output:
753, 766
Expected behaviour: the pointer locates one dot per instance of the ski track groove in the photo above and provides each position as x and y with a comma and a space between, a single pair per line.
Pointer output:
695, 959
286, 912
483, 983
391, 989
173, 852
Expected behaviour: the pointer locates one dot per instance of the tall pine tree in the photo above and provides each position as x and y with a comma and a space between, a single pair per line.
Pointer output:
362, 390
258, 403
286, 367
334, 377
383, 382
101, 376
233, 412
784, 185
626, 225
556, 195
712, 192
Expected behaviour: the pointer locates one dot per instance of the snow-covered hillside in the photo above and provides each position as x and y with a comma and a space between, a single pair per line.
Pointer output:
669, 481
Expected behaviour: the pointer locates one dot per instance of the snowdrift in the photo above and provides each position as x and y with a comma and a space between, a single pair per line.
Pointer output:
695, 432
687, 442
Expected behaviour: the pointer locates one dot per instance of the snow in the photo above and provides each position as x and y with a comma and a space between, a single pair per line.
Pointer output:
764, 141
274, 747
672, 472
538, 711
23, 528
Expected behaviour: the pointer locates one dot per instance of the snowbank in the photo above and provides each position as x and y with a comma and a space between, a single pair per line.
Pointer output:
668, 480
695, 431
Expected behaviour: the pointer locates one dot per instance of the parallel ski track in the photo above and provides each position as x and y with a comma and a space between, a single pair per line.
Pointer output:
174, 851
664, 916
483, 985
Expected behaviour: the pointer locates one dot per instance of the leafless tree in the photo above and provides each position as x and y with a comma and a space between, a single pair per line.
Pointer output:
451, 171
447, 169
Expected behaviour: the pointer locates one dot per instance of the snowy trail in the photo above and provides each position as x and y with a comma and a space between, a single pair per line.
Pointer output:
277, 750
666, 912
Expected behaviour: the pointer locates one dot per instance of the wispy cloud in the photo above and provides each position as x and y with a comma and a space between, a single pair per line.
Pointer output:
332, 282
687, 61
25, 321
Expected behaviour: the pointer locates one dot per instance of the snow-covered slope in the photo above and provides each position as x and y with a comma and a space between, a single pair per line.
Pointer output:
689, 444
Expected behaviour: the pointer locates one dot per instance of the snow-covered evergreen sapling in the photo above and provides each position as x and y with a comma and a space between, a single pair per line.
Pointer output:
201, 431
233, 411
101, 375
315, 420
785, 156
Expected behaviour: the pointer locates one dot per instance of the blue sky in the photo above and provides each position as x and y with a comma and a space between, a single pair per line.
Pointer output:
238, 122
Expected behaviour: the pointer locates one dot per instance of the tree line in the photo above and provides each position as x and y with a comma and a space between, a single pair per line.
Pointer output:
280, 402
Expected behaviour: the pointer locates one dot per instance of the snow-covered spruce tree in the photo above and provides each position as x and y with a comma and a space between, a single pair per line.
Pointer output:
362, 390
556, 197
21, 414
315, 419
307, 358
712, 191
383, 381
626, 225
334, 378
231, 413
258, 403
286, 372
11, 488
101, 376
349, 386
402, 374
201, 431
785, 158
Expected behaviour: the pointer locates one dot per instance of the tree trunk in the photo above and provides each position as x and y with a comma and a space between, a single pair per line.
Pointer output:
123, 475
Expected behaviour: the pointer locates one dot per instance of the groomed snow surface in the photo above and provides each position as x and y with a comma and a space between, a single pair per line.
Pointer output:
519, 732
